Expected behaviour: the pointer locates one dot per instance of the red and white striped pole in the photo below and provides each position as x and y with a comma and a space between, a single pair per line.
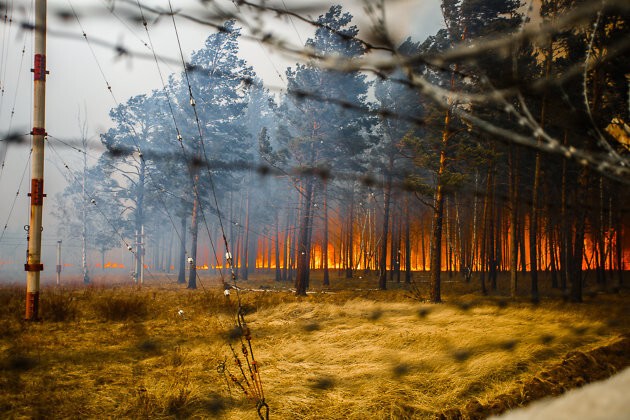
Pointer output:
58, 262
33, 264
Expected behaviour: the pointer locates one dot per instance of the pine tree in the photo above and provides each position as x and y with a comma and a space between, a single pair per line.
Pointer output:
318, 131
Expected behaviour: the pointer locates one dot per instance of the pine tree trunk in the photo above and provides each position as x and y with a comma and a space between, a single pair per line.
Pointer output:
580, 222
293, 245
484, 263
553, 258
246, 247
601, 239
398, 253
139, 220
181, 277
619, 248
422, 247
492, 257
565, 232
288, 243
473, 243
326, 281
194, 230
438, 213
382, 264
303, 248
277, 247
521, 243
533, 231
407, 243
513, 223
350, 245
393, 249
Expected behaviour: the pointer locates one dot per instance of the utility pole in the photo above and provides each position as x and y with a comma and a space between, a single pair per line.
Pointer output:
58, 262
33, 265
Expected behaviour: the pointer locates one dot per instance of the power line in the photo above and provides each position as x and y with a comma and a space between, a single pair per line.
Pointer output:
124, 114
4, 229
179, 137
92, 200
201, 141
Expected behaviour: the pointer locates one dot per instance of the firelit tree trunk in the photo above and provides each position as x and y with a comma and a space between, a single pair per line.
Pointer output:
397, 252
619, 247
245, 266
407, 242
422, 243
288, 243
309, 239
461, 245
534, 215
303, 247
494, 221
552, 236
350, 246
601, 238
181, 276
533, 231
521, 243
326, 280
294, 245
393, 248
277, 246
551, 249
475, 223
565, 229
485, 222
498, 238
341, 251
382, 263
448, 227
252, 252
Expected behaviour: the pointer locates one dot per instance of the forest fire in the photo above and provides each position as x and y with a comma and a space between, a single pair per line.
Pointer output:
548, 253
110, 264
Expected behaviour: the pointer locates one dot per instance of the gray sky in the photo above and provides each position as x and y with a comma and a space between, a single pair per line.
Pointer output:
76, 89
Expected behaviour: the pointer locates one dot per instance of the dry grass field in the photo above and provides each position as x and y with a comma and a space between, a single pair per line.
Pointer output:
112, 350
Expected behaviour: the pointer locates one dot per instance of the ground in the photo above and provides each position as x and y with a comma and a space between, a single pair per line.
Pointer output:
347, 352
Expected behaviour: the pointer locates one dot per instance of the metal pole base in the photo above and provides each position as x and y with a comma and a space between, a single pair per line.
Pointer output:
32, 306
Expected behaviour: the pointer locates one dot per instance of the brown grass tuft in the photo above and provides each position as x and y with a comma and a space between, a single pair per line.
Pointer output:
59, 305
121, 306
